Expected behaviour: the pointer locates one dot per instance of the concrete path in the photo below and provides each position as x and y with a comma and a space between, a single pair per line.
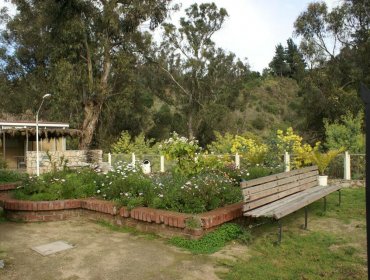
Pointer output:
99, 253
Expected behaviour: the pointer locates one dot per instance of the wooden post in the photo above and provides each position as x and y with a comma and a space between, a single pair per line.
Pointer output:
365, 95
162, 163
26, 149
286, 162
237, 161
347, 166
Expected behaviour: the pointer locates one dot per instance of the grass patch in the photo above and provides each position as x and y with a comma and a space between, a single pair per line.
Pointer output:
331, 253
211, 242
300, 257
127, 229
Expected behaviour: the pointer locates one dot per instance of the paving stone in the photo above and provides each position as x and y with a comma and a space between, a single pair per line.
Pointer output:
52, 248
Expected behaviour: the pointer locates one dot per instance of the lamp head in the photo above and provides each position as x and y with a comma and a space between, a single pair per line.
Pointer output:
46, 95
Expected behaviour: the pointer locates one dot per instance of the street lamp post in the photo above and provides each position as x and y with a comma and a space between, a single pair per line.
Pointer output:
37, 135
365, 95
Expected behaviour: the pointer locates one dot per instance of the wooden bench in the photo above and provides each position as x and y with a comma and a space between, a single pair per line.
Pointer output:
279, 195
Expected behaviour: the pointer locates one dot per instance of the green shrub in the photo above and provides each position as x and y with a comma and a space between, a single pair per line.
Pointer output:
8, 176
3, 164
58, 185
211, 242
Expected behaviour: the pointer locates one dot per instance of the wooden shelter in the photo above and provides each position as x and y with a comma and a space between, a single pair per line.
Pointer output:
18, 137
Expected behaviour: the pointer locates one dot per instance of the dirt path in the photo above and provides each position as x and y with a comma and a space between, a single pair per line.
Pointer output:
99, 253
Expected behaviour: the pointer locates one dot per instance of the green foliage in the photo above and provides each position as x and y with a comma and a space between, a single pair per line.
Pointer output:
193, 223
128, 186
322, 160
222, 144
3, 164
9, 176
126, 144
278, 64
346, 134
58, 185
211, 242
184, 151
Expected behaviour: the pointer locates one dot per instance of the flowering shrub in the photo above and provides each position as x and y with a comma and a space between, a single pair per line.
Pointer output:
251, 172
248, 146
254, 152
184, 151
203, 192
292, 143
126, 185
129, 187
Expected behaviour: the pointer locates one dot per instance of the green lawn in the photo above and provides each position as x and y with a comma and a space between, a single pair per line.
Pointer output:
333, 247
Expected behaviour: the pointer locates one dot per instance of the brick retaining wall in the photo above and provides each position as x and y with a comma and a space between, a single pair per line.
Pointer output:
143, 218
8, 186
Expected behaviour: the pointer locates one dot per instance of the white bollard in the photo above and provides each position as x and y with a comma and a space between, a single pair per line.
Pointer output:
162, 164
347, 166
110, 159
237, 161
287, 162
133, 159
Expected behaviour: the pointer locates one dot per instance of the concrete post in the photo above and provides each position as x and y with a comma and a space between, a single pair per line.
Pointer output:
133, 159
237, 161
162, 164
347, 166
286, 162
110, 159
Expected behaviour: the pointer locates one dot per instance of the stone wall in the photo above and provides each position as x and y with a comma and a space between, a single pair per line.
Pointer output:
57, 159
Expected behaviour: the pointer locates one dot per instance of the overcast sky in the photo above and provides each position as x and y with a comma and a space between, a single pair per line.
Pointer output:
254, 27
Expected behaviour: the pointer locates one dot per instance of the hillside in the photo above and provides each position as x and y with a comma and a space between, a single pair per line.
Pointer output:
268, 104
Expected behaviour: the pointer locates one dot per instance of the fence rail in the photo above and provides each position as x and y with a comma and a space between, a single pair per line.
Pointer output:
344, 166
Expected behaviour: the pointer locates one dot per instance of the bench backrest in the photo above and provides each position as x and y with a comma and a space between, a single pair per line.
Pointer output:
268, 189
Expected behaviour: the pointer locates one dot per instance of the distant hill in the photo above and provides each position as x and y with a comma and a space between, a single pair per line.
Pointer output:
267, 105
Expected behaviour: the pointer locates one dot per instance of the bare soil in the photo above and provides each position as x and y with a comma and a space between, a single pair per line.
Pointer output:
99, 253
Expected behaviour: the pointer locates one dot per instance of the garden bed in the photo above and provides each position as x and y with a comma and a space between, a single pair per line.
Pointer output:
144, 218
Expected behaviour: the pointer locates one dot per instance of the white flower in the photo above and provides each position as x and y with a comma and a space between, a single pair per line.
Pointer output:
248, 174
141, 193
98, 191
160, 195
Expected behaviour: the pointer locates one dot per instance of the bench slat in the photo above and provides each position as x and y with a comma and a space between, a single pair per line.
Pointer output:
279, 213
261, 211
278, 189
274, 177
274, 184
277, 196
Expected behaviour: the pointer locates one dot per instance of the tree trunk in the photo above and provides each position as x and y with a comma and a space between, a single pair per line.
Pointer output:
190, 126
92, 112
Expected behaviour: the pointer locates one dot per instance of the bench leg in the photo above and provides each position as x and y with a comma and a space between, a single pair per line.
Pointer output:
340, 198
324, 203
279, 232
305, 217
